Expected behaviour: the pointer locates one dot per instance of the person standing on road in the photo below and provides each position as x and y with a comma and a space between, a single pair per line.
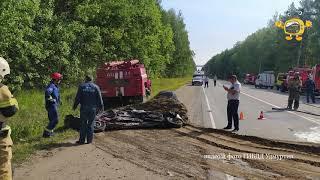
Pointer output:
52, 100
310, 87
90, 99
233, 97
294, 87
215, 78
206, 82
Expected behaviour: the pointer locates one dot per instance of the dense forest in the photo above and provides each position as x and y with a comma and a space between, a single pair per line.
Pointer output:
75, 36
267, 48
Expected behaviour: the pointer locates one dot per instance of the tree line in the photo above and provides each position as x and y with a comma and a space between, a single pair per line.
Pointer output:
267, 49
73, 37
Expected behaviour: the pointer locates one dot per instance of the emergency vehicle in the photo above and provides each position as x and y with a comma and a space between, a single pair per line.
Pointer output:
303, 73
123, 81
316, 77
250, 79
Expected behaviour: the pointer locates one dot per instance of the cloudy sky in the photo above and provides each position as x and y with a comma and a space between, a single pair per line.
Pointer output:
215, 25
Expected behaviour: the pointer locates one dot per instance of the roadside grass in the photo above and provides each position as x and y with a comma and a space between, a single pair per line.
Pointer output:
28, 124
169, 84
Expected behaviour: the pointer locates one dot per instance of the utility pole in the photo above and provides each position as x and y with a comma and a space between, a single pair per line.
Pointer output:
299, 54
260, 65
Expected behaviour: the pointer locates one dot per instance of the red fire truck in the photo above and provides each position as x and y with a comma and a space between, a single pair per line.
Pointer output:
123, 81
250, 79
303, 72
316, 77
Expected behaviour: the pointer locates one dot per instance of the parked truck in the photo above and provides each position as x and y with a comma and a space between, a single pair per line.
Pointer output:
123, 82
265, 80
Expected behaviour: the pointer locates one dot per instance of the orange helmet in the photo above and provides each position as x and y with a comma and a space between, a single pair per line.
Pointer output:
56, 76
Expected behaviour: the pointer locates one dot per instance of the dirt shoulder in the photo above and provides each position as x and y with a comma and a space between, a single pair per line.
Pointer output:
175, 154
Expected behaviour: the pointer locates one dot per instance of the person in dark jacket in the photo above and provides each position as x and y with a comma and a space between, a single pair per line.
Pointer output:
90, 99
310, 87
52, 100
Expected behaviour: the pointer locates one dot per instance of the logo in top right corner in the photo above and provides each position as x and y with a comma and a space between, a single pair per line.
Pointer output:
295, 26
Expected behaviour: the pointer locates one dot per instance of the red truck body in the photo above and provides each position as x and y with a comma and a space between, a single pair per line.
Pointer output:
303, 73
124, 81
250, 79
316, 77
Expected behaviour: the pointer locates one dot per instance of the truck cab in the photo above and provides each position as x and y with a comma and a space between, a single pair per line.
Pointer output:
281, 77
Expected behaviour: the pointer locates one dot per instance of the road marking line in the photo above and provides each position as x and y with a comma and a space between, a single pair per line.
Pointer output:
209, 110
309, 119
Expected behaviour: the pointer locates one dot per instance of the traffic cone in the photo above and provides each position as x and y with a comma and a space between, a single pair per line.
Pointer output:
241, 116
261, 117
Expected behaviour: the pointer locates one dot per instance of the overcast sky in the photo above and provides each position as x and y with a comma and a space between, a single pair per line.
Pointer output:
215, 25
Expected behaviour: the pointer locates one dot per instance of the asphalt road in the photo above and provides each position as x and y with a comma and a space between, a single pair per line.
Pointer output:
207, 108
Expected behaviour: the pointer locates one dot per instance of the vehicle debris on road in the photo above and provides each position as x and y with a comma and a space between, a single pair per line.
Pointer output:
163, 111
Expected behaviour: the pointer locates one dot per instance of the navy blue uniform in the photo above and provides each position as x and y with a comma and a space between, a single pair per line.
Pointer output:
89, 97
310, 87
52, 100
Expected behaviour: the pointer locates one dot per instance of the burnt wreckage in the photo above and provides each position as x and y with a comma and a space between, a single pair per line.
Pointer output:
163, 111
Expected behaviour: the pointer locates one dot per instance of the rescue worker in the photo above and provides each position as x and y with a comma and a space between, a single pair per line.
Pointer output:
310, 87
215, 78
233, 96
8, 107
52, 100
294, 88
147, 86
206, 82
90, 99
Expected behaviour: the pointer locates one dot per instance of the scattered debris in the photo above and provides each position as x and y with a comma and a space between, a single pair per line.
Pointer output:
163, 111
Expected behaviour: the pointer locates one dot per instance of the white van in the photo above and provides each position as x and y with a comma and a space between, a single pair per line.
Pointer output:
265, 80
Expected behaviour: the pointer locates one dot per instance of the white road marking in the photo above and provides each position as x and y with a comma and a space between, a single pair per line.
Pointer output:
209, 110
306, 118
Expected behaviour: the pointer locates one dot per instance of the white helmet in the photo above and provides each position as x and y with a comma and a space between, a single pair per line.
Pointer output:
4, 67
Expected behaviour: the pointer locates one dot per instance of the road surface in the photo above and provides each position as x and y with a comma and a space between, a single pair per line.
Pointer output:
209, 110
196, 151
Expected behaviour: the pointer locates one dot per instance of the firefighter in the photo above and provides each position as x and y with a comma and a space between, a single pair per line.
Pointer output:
52, 100
310, 87
8, 107
90, 99
294, 87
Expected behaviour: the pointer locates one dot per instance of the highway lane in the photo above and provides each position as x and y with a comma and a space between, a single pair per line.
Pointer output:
209, 104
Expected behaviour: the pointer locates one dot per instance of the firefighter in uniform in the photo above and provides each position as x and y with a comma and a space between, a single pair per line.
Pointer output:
8, 107
294, 87
52, 99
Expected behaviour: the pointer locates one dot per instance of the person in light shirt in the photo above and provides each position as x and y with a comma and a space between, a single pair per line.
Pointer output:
233, 96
